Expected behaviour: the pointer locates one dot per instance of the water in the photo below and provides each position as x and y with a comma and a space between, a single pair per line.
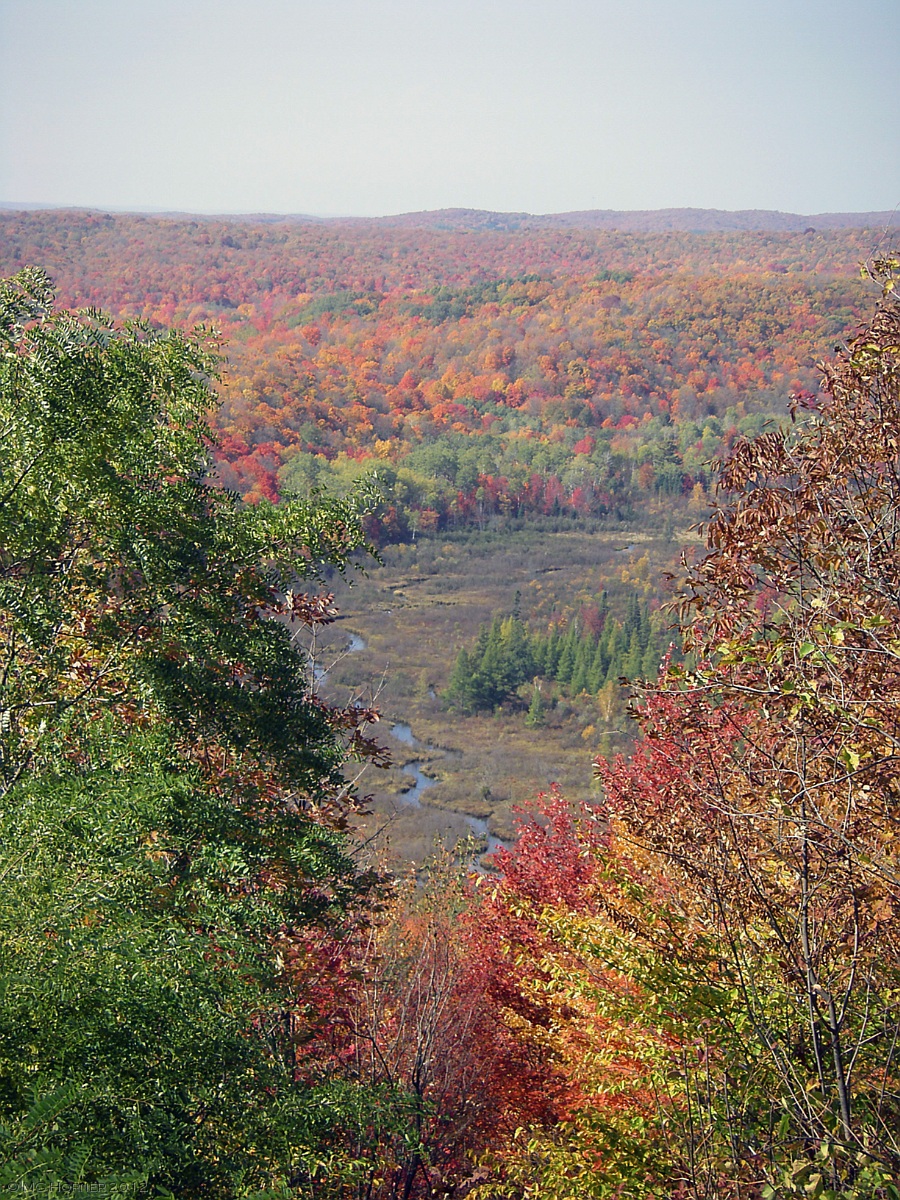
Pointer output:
354, 646
413, 796
479, 827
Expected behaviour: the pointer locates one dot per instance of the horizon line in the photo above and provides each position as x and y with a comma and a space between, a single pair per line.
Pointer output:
39, 206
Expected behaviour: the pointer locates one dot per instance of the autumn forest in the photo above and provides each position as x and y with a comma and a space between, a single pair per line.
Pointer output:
448, 709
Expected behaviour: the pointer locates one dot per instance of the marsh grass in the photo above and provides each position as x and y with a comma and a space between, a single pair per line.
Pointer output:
425, 601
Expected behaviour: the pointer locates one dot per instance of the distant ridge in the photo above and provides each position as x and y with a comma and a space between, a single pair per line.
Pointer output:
658, 220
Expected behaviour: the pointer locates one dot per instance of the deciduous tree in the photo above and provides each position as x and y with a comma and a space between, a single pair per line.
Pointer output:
172, 792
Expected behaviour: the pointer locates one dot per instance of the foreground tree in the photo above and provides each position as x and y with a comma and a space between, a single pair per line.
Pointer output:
769, 777
710, 964
172, 787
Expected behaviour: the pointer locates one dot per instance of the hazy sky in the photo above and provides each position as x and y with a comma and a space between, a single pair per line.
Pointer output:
381, 106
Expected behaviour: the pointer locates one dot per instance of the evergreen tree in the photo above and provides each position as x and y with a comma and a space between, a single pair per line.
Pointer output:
568, 654
501, 661
632, 615
583, 659
552, 653
631, 664
645, 630
537, 709
459, 690
616, 650
599, 664
539, 646
489, 679
519, 662
651, 660
505, 657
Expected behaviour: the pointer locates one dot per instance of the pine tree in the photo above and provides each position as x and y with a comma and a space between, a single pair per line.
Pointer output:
538, 647
537, 708
459, 690
616, 648
566, 664
645, 630
552, 652
599, 663
583, 658
518, 664
632, 615
651, 660
631, 667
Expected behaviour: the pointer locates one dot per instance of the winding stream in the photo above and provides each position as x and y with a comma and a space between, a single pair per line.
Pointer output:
354, 645
412, 796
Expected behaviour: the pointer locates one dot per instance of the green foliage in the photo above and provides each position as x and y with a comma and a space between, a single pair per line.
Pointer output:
136, 929
28, 1164
818, 1177
536, 709
448, 304
605, 276
608, 375
583, 657
500, 662
171, 787
332, 303
126, 580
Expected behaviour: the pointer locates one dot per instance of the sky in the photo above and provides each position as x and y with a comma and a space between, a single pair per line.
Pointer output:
373, 107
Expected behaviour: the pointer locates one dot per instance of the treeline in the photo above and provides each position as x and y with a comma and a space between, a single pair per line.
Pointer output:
582, 656
457, 481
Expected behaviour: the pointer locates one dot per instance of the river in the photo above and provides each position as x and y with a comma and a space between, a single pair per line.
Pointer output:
413, 796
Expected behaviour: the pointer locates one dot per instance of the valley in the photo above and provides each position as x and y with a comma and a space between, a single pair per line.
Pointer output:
412, 614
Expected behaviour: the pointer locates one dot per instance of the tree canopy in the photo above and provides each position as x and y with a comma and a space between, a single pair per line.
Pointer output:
172, 791
685, 988
707, 962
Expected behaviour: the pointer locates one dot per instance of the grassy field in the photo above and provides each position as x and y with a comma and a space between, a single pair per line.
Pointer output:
414, 612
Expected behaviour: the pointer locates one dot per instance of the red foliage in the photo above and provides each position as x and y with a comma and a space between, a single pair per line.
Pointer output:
336, 342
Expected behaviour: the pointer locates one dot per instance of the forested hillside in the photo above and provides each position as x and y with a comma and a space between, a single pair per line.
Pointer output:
489, 374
